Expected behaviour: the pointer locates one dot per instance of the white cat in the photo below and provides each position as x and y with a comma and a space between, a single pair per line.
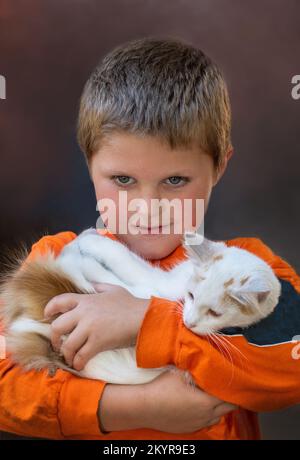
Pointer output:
218, 286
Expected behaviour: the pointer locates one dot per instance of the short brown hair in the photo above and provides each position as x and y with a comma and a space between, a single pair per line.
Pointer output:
161, 87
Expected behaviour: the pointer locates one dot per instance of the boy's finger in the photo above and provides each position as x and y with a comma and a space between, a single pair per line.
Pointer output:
223, 409
60, 304
62, 325
214, 421
102, 287
83, 356
213, 401
73, 343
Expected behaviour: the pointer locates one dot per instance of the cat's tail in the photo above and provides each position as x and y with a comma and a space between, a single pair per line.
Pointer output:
28, 344
25, 290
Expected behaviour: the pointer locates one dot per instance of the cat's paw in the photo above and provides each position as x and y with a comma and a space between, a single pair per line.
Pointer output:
98, 246
193, 238
89, 231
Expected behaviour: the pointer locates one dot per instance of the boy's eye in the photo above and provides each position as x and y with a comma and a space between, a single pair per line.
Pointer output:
122, 180
177, 180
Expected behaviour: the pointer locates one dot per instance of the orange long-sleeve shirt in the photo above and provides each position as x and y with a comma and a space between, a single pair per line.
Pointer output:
262, 374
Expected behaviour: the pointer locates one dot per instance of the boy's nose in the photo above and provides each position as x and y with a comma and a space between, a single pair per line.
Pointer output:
150, 216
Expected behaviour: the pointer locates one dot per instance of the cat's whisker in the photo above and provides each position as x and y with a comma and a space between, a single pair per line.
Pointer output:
222, 346
223, 350
234, 348
229, 356
212, 341
221, 336
177, 308
176, 311
241, 356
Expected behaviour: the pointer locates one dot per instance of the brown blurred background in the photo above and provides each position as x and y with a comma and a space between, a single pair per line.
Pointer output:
48, 49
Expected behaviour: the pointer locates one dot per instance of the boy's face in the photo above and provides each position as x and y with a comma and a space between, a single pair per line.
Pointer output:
148, 169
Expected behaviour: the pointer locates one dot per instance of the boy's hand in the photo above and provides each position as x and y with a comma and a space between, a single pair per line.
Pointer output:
95, 322
172, 405
167, 404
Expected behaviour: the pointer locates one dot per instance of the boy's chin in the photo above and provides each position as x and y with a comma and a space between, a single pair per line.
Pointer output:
152, 247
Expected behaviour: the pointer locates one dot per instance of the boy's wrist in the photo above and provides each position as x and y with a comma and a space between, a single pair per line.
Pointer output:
141, 307
100, 416
122, 407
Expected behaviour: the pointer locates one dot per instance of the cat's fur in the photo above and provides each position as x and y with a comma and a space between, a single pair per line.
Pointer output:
217, 287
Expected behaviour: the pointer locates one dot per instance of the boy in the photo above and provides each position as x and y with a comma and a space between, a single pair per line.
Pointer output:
154, 121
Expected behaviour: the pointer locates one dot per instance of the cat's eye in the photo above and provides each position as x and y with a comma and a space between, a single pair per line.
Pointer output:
213, 313
191, 295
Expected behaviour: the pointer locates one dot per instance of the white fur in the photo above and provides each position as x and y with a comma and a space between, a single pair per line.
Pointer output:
24, 324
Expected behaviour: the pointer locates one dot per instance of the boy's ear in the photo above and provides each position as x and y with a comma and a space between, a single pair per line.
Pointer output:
223, 167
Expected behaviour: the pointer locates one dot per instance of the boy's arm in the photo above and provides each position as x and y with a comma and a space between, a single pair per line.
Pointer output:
33, 404
261, 374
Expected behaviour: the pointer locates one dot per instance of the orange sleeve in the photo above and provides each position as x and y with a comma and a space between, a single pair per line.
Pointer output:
255, 376
36, 405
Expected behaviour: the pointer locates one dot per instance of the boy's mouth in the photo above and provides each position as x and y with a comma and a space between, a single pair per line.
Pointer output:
153, 230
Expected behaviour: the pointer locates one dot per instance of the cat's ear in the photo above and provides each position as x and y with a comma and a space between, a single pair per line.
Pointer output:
201, 249
252, 293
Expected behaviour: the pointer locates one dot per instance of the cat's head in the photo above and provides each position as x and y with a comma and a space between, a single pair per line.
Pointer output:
229, 287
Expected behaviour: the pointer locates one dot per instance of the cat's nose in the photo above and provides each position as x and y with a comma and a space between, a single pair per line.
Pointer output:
189, 324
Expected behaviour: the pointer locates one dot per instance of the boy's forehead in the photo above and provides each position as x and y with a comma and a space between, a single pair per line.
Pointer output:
120, 143
133, 151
